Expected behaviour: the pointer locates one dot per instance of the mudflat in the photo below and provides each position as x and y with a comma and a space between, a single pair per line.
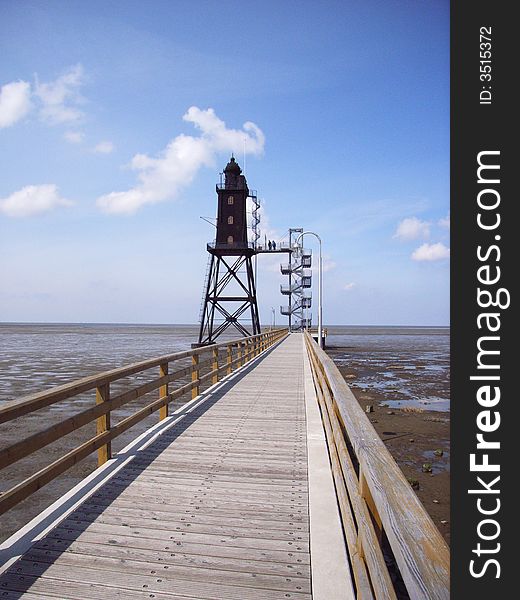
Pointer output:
417, 437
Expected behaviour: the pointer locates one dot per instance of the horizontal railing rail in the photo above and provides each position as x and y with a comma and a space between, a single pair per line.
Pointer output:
237, 353
381, 514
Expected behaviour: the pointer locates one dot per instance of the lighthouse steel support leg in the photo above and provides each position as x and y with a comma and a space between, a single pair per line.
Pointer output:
222, 273
205, 310
255, 318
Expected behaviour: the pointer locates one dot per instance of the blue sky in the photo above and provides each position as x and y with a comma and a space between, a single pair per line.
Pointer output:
116, 118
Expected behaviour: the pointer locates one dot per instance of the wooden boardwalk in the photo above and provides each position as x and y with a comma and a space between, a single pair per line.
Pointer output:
216, 507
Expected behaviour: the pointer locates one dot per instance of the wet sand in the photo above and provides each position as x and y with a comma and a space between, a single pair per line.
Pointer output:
412, 434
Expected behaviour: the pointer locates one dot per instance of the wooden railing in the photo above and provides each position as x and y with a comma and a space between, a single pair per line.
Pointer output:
237, 353
381, 514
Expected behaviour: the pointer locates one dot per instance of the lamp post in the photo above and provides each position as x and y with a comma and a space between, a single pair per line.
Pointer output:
320, 286
274, 317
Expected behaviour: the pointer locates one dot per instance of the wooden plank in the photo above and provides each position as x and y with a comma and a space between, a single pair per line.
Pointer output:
88, 512
263, 492
153, 583
224, 510
236, 487
166, 492
245, 530
267, 567
64, 537
15, 586
195, 574
238, 459
142, 531
231, 480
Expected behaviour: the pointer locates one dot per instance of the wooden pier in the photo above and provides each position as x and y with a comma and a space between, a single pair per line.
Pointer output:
269, 484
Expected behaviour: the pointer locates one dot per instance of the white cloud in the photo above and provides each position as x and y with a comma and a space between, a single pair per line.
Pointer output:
445, 222
15, 102
162, 177
412, 228
349, 286
60, 98
431, 252
104, 147
74, 137
32, 200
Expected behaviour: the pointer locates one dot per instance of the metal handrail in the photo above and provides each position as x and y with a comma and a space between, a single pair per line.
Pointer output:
233, 246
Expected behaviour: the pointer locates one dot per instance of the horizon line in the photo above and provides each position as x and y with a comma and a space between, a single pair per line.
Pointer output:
193, 324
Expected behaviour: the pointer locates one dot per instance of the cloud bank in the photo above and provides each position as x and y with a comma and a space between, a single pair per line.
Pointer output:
431, 252
32, 200
161, 177
15, 102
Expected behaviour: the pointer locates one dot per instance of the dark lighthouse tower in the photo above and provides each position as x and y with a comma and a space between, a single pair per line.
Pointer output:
230, 294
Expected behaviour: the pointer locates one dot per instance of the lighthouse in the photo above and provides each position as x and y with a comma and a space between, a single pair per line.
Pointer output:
229, 297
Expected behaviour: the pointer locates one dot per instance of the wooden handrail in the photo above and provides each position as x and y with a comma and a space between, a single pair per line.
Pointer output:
237, 353
375, 498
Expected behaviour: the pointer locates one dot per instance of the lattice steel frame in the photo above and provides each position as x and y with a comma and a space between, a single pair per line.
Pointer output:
223, 271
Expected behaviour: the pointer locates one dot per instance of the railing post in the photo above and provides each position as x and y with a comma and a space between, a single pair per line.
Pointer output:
214, 366
103, 424
239, 353
229, 359
194, 375
163, 391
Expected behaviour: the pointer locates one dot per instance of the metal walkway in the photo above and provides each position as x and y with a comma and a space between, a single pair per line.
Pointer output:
216, 507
